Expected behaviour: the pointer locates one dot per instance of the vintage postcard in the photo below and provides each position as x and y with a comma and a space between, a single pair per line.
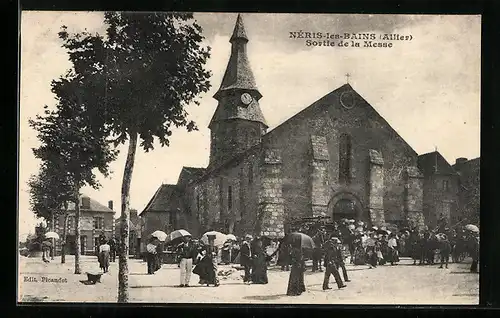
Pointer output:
178, 157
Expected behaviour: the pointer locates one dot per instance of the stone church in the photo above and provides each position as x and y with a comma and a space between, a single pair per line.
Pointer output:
338, 157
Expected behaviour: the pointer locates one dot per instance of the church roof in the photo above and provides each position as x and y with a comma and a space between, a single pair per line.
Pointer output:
238, 73
239, 30
325, 101
94, 206
301, 116
189, 174
434, 163
163, 200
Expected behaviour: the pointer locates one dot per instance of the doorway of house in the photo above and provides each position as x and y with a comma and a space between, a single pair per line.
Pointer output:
70, 245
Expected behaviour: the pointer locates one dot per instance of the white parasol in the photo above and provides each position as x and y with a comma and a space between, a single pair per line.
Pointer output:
220, 238
231, 237
178, 234
160, 235
473, 228
52, 235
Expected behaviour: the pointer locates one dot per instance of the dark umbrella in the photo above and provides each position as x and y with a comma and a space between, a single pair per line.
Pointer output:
383, 232
297, 239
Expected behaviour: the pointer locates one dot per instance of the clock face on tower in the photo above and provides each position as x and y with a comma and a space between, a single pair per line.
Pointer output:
246, 99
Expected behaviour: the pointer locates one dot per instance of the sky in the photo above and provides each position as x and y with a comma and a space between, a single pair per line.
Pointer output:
428, 88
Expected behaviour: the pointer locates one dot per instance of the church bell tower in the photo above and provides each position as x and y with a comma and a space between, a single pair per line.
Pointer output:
238, 122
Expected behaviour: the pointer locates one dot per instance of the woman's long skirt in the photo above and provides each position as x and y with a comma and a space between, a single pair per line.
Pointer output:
207, 270
259, 273
104, 261
359, 256
296, 284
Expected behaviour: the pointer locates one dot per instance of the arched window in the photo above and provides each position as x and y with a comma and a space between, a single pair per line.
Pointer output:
345, 159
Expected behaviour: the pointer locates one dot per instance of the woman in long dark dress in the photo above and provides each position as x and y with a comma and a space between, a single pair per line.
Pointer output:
259, 260
151, 255
296, 284
284, 256
207, 267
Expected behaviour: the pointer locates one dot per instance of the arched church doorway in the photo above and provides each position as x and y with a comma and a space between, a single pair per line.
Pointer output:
345, 206
344, 209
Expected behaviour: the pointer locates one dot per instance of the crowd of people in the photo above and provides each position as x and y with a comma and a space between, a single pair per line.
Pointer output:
333, 244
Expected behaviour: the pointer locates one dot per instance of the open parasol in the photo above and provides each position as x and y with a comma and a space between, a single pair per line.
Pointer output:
178, 234
160, 235
472, 228
219, 240
297, 239
51, 235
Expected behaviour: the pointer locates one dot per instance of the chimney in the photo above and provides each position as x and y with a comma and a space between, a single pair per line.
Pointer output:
86, 203
460, 161
110, 204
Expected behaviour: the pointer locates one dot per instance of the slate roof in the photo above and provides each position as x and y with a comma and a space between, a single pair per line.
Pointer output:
195, 172
190, 174
239, 30
238, 76
94, 206
470, 164
434, 162
165, 199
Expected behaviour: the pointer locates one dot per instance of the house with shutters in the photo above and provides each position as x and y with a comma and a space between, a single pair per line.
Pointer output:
95, 219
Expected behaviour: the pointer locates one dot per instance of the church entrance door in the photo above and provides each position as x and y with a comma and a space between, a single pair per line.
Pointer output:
344, 209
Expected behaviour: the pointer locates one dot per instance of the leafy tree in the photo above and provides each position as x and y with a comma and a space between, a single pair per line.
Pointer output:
72, 144
142, 74
49, 192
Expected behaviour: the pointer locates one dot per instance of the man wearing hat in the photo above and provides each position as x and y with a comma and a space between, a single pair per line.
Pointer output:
339, 261
332, 253
318, 249
246, 258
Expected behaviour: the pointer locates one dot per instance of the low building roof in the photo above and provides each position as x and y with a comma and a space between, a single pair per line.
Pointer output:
434, 163
94, 206
165, 199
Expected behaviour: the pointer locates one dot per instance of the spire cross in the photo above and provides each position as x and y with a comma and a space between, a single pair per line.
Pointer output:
347, 75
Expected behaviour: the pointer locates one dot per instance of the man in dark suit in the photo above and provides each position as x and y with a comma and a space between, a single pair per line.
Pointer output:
246, 258
332, 253
340, 260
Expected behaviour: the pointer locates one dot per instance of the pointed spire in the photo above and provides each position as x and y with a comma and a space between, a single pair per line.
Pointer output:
238, 73
239, 30
238, 78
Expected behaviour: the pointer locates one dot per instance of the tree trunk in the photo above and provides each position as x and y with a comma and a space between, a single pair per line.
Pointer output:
77, 235
65, 234
53, 247
125, 217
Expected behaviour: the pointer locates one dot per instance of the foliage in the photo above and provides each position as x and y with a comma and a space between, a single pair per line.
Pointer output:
48, 190
138, 80
72, 143
143, 74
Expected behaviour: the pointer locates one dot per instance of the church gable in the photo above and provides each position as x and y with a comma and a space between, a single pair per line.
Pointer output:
342, 109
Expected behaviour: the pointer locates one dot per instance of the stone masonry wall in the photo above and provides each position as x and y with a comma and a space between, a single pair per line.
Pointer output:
376, 196
270, 217
367, 131
414, 198
319, 179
